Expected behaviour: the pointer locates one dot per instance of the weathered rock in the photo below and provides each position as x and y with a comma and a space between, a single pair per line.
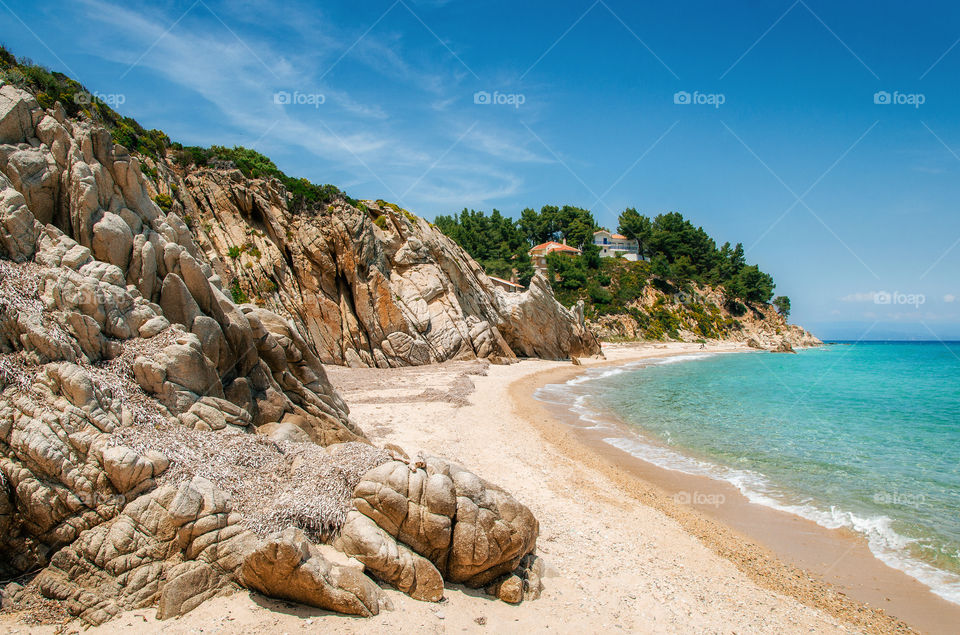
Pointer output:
288, 566
16, 119
284, 431
407, 295
389, 560
112, 240
509, 589
471, 530
102, 464
128, 562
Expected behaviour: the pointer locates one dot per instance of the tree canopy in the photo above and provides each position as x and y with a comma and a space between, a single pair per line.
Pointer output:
678, 251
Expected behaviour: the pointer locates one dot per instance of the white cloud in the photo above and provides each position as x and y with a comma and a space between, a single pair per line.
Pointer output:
949, 298
361, 135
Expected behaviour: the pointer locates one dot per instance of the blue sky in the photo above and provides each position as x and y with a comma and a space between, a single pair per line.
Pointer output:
837, 196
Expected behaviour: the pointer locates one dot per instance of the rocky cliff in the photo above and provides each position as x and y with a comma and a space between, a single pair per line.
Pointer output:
702, 313
366, 282
162, 440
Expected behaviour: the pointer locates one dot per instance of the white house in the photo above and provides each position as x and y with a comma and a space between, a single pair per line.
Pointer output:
614, 245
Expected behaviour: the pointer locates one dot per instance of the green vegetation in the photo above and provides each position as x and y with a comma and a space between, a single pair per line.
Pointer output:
573, 224
303, 196
163, 201
679, 256
237, 293
495, 241
233, 252
381, 222
49, 87
782, 304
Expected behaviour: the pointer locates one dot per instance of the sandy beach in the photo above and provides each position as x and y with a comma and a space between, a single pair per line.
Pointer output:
621, 554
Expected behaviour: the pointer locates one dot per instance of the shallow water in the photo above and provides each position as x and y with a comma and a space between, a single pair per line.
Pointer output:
865, 436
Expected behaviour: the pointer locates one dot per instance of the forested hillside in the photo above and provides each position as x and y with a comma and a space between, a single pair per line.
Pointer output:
680, 262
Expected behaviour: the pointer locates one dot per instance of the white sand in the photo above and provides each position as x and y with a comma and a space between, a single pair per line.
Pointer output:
615, 565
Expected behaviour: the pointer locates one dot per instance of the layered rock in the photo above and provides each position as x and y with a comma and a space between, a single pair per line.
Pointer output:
370, 285
160, 443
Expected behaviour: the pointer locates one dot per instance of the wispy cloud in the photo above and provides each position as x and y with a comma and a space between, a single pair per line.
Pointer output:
366, 136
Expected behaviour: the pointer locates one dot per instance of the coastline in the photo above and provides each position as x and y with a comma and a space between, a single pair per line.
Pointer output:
620, 554
829, 569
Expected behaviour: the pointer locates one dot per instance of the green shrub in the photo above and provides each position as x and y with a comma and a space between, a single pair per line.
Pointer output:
163, 201
381, 222
238, 295
234, 252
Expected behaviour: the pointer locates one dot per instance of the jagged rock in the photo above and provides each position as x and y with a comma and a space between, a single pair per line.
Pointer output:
101, 463
366, 296
288, 566
782, 347
530, 319
179, 375
16, 118
19, 229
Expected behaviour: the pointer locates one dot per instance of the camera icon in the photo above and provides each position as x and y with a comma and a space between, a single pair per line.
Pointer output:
881, 97
83, 98
881, 498
882, 297
681, 97
481, 97
281, 97
682, 498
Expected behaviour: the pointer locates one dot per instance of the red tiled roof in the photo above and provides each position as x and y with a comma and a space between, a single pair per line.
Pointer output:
552, 245
618, 236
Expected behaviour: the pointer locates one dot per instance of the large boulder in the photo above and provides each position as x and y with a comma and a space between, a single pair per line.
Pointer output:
470, 530
389, 560
536, 325
112, 240
289, 566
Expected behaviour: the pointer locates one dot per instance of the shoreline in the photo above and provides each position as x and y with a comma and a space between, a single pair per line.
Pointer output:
619, 554
828, 569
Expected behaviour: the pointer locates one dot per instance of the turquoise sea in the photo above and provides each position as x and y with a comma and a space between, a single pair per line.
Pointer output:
865, 436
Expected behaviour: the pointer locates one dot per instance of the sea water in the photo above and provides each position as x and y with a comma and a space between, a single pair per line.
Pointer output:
858, 435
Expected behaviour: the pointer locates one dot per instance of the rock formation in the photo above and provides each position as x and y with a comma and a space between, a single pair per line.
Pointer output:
758, 326
161, 443
371, 284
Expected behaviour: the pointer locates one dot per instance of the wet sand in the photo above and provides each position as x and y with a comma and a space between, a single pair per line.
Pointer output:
824, 568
